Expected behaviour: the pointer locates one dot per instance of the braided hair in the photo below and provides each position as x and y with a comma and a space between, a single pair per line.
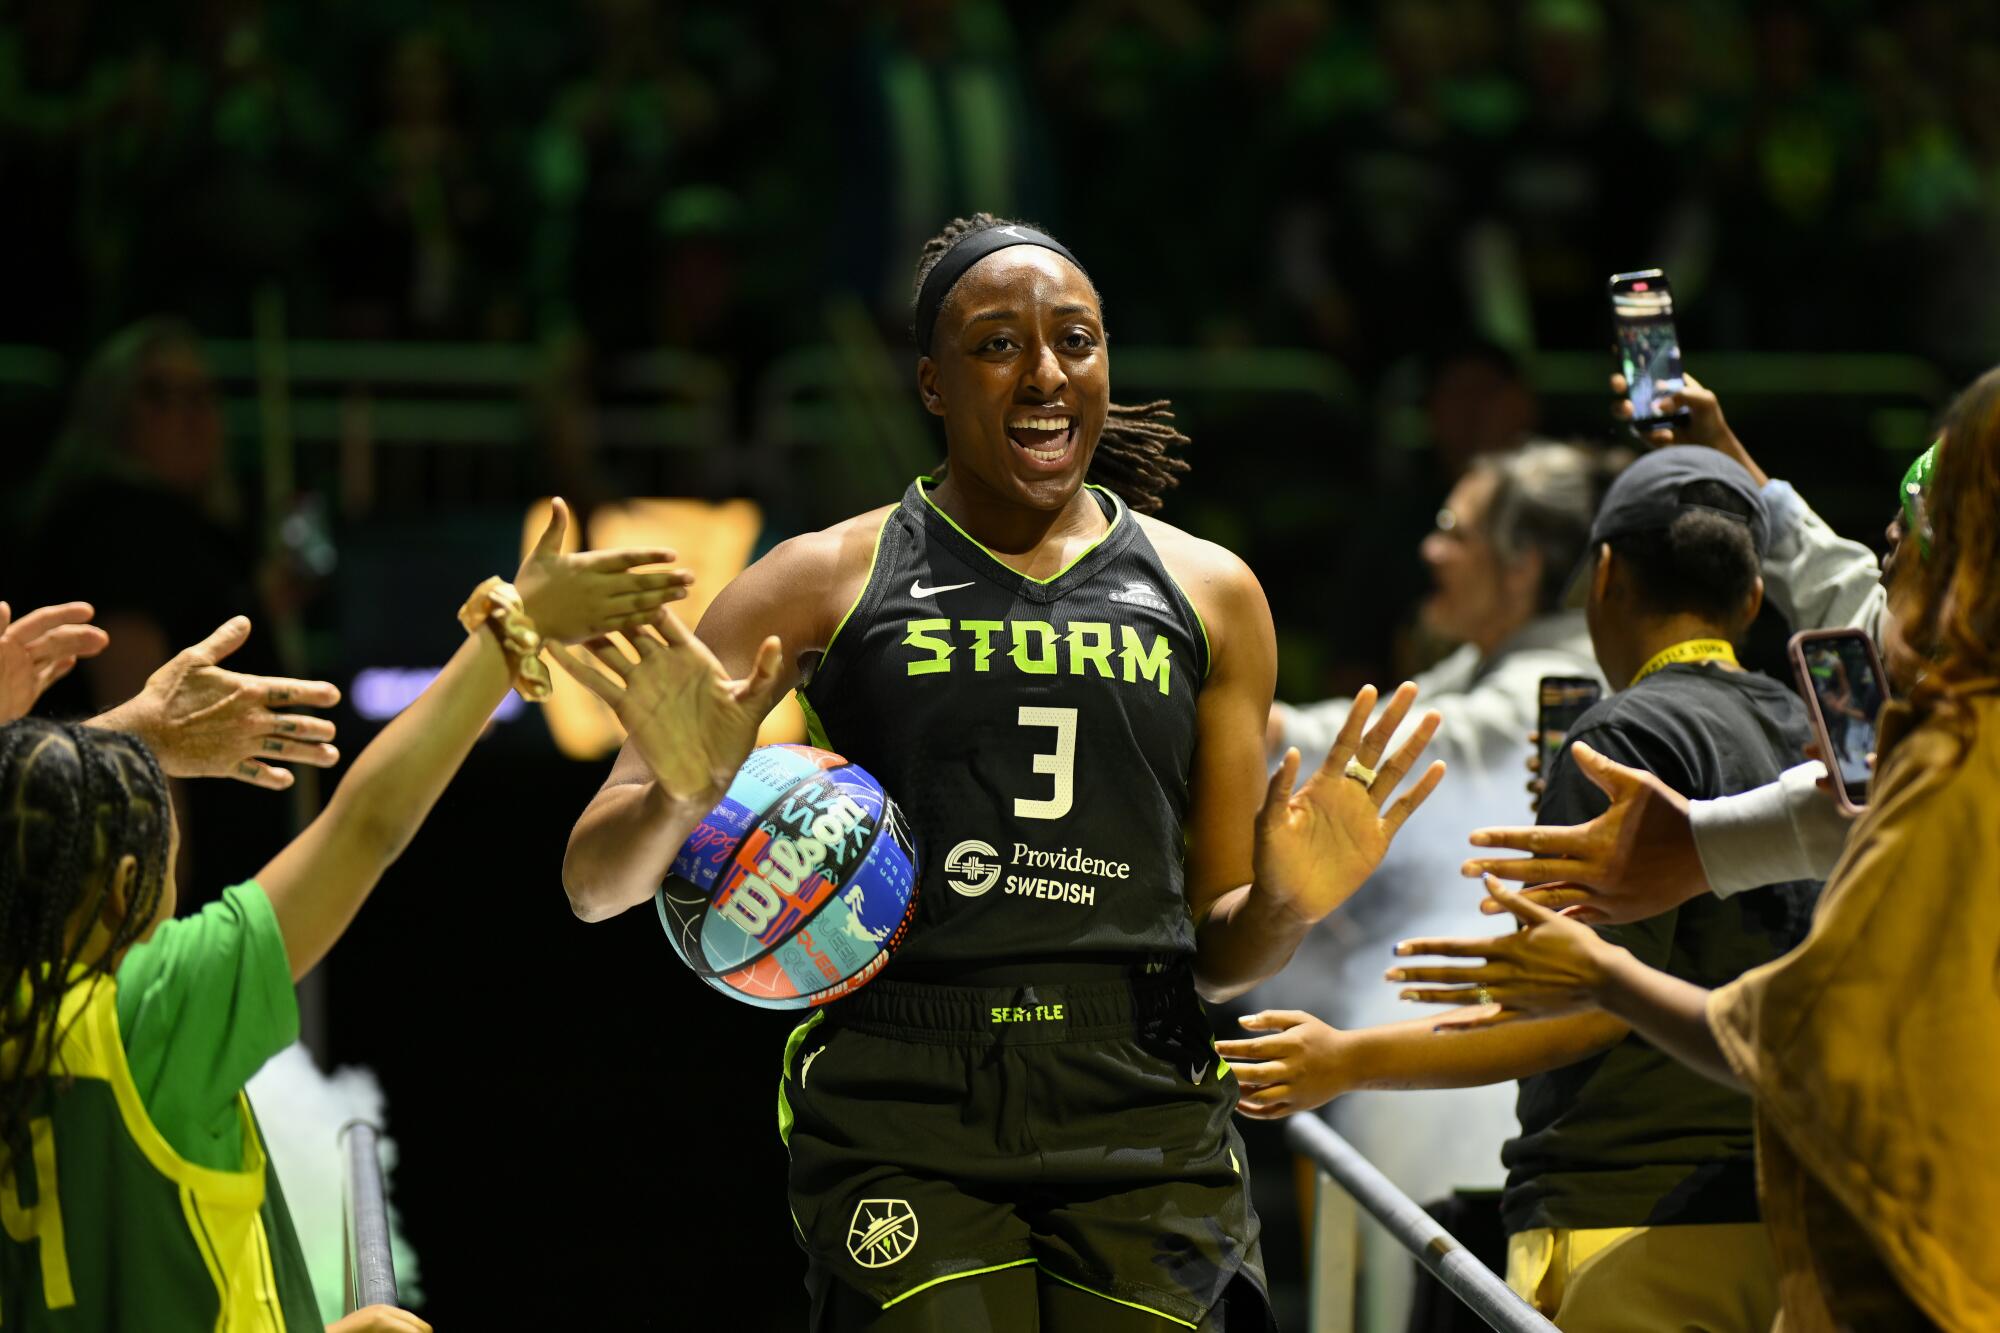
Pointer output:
1135, 455
73, 803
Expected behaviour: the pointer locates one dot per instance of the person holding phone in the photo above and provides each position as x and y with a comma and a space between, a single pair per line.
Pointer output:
1866, 1048
1630, 1199
1653, 849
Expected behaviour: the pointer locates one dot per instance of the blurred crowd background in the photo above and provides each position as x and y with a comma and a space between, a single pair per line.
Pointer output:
306, 303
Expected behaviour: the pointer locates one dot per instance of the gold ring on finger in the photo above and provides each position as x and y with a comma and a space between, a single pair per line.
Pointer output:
1360, 772
1485, 996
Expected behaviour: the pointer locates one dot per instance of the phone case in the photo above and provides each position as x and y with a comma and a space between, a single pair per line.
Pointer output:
1796, 651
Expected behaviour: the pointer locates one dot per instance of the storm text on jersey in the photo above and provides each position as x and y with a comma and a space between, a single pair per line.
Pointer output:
1037, 648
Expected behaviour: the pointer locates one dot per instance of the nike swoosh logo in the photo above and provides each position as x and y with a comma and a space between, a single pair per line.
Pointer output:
917, 588
1200, 1072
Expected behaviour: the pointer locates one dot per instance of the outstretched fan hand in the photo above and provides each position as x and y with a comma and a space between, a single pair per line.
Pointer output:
39, 649
1552, 965
689, 720
205, 721
1635, 860
1317, 845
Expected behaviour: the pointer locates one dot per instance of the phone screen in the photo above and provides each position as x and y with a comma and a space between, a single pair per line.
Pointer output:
1649, 350
1564, 699
1849, 697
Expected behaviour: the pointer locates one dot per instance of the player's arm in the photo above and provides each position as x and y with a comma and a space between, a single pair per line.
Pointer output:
317, 883
1298, 1062
1264, 863
682, 749
1239, 939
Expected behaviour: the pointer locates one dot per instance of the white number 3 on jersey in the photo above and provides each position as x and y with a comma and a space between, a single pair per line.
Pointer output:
1061, 765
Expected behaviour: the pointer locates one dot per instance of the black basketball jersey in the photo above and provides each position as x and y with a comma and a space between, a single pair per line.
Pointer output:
1038, 735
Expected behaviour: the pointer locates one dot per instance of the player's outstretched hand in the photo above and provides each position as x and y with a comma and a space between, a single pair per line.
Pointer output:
1636, 860
571, 597
378, 1319
1705, 425
39, 649
1553, 965
690, 722
1296, 1065
1317, 845
205, 721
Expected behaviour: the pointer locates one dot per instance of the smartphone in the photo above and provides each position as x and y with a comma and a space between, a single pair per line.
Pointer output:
1647, 348
1563, 700
1840, 675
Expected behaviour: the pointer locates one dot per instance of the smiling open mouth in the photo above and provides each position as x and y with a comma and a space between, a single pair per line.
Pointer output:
1046, 440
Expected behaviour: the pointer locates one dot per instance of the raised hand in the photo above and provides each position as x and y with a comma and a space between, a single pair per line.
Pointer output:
1317, 845
39, 649
205, 721
1295, 1066
690, 722
1705, 425
572, 597
1553, 965
1636, 860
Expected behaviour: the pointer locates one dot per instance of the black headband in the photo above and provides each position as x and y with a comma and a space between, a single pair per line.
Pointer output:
964, 253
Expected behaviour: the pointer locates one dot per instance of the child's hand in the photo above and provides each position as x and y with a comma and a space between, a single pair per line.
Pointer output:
1297, 1065
572, 597
1553, 965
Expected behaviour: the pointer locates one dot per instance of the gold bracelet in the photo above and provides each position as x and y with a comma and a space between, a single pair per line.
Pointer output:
497, 605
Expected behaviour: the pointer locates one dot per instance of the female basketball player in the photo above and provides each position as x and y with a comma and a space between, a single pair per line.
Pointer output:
1023, 1124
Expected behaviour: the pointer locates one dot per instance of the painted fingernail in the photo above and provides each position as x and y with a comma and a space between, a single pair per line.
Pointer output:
1404, 950
1394, 974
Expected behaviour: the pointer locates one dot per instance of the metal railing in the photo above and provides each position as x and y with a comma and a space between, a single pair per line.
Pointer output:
1347, 1178
371, 1267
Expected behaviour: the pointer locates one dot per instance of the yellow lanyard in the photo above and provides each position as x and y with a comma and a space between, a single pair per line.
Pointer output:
1688, 650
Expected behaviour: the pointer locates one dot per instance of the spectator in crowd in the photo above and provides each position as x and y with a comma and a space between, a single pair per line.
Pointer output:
137, 514
1630, 1184
1863, 1047
1507, 540
142, 457
1653, 849
130, 1033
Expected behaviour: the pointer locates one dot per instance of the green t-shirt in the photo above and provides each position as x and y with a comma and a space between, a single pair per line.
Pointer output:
202, 1004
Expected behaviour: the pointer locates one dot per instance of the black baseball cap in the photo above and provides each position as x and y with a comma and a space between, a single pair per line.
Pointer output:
1649, 495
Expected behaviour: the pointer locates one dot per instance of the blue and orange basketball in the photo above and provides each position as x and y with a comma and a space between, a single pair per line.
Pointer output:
797, 887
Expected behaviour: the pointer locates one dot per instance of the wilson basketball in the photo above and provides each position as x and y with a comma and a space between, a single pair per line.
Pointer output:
796, 888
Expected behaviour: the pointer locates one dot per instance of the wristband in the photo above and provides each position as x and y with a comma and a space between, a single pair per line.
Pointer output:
497, 605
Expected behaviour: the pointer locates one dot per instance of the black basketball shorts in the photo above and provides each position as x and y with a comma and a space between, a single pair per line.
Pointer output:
937, 1132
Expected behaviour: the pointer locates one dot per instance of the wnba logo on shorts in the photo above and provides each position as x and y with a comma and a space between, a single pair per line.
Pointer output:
883, 1231
972, 867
